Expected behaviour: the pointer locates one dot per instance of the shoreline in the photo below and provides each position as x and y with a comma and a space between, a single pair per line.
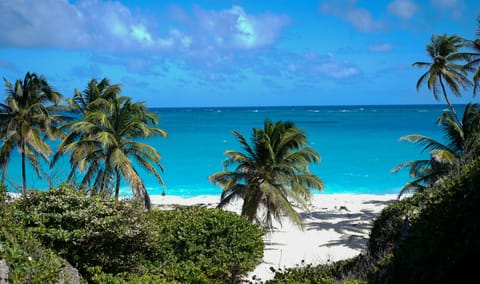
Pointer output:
336, 227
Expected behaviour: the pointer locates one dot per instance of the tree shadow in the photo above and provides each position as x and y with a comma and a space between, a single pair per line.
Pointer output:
353, 226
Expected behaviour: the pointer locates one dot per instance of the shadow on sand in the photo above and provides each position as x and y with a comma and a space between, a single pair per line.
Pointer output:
353, 226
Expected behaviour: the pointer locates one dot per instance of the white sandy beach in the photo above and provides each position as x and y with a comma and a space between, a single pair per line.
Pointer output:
336, 228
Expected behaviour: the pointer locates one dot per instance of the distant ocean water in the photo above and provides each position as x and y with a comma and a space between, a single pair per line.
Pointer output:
359, 145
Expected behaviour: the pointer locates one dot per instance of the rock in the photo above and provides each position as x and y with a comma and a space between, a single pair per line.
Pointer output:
3, 271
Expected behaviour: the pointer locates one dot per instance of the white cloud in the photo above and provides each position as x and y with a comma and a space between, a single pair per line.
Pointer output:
336, 70
403, 8
380, 47
139, 33
111, 26
361, 19
314, 65
234, 28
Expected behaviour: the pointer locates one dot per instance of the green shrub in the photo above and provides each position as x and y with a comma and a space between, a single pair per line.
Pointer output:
219, 245
385, 236
336, 272
445, 238
119, 242
308, 274
28, 261
87, 231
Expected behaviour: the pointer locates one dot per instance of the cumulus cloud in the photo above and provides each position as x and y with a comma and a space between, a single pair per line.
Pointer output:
111, 26
361, 19
380, 47
403, 8
234, 28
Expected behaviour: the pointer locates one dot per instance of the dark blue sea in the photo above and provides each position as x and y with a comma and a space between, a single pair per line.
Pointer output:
359, 145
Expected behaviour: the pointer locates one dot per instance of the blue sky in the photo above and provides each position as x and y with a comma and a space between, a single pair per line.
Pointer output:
233, 53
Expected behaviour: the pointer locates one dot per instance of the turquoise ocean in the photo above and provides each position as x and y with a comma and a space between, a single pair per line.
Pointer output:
359, 145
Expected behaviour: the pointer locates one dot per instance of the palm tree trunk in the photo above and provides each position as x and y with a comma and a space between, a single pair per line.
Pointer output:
24, 173
448, 102
4, 173
117, 184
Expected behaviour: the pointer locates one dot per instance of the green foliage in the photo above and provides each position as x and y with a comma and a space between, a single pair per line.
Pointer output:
120, 242
105, 141
207, 244
124, 278
87, 231
336, 272
445, 237
27, 118
271, 175
386, 231
308, 274
29, 262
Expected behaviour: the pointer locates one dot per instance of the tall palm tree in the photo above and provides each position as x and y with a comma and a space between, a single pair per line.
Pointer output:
97, 95
444, 68
462, 145
95, 90
271, 175
108, 145
474, 63
26, 115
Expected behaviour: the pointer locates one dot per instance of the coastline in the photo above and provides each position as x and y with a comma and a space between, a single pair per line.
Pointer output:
336, 228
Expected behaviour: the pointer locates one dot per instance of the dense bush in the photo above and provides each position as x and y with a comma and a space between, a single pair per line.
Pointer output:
206, 244
87, 231
28, 261
444, 240
436, 244
337, 272
119, 242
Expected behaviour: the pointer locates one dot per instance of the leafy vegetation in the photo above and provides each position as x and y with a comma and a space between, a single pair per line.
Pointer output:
104, 142
28, 261
432, 236
271, 174
26, 115
119, 241
219, 244
462, 145
444, 237
445, 68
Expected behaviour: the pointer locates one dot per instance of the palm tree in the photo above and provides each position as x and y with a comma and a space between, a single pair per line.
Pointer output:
95, 96
271, 175
26, 114
81, 101
444, 70
463, 145
108, 145
475, 59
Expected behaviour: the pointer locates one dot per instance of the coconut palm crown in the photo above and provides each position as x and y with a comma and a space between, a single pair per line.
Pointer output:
445, 68
462, 146
271, 175
104, 144
26, 116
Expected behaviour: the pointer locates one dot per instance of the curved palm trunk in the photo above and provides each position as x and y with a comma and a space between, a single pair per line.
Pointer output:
457, 118
24, 174
4, 173
117, 184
